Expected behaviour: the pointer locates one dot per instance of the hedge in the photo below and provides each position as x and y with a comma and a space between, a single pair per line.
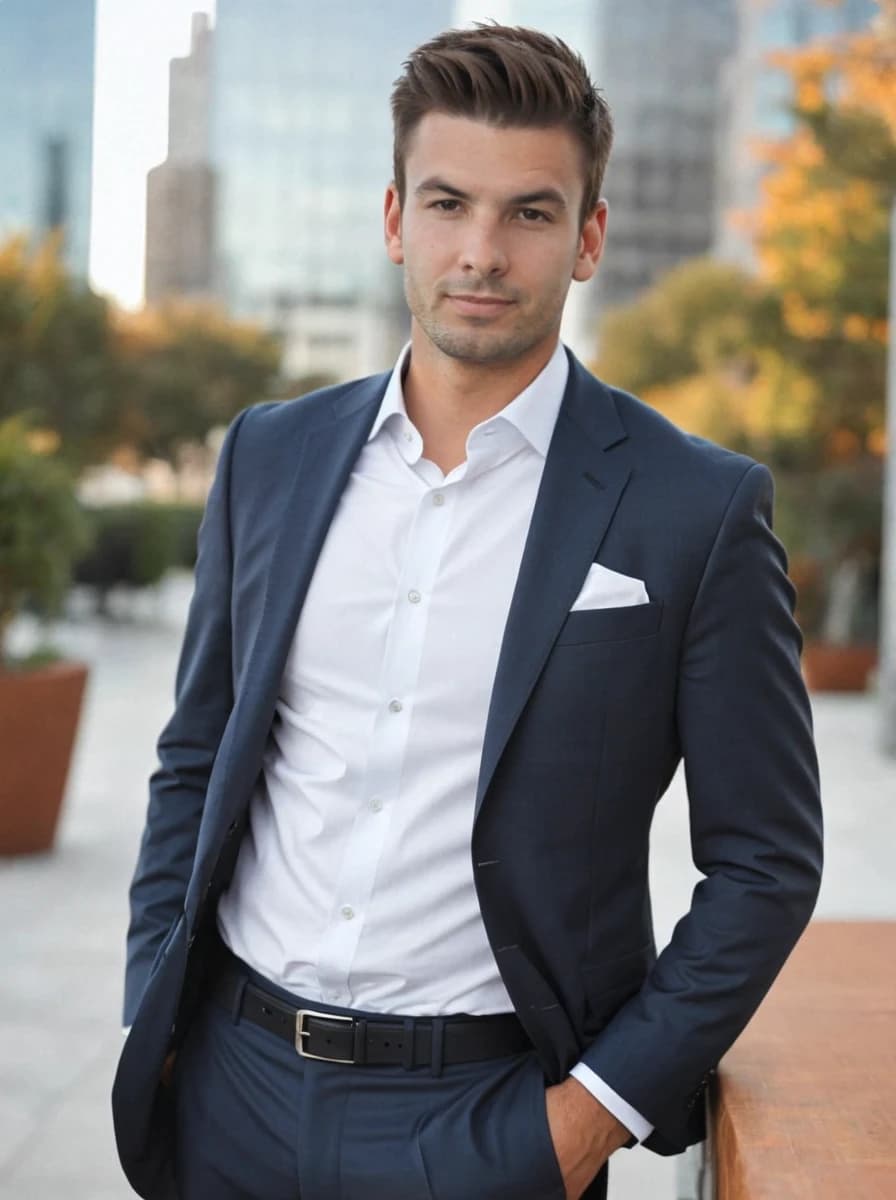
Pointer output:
135, 544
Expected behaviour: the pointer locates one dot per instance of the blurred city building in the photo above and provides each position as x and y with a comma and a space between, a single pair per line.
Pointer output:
180, 192
301, 143
46, 135
341, 338
659, 65
756, 98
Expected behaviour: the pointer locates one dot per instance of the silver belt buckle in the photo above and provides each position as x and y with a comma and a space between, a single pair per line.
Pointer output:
302, 1032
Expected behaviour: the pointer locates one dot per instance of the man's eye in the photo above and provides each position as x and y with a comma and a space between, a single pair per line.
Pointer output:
446, 205
532, 215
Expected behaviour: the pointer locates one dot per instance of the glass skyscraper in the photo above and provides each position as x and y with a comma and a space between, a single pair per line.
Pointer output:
301, 143
659, 65
46, 121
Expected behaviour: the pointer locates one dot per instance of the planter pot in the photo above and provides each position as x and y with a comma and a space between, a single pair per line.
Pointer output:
830, 668
39, 711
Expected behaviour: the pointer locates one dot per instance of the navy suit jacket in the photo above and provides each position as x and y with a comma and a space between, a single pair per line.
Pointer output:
590, 715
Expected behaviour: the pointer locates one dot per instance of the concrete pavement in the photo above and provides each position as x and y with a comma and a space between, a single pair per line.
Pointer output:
61, 940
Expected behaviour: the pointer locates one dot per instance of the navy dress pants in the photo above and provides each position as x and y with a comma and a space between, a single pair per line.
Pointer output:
255, 1121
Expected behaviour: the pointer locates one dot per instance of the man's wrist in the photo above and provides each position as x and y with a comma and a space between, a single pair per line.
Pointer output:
607, 1128
636, 1122
584, 1133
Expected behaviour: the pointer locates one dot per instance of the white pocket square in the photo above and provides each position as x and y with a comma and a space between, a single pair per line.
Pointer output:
604, 588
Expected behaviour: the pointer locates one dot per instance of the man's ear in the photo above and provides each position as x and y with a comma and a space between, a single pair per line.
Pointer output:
392, 224
591, 242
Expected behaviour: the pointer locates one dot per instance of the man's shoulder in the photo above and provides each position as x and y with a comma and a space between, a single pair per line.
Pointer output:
273, 419
675, 451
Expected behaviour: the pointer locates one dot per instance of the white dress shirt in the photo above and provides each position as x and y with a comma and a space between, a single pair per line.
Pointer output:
354, 882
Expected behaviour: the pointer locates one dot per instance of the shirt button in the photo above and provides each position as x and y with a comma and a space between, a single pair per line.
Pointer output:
414, 597
395, 706
347, 911
408, 437
376, 804
438, 499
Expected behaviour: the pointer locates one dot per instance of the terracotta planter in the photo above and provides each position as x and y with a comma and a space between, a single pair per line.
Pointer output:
39, 713
830, 668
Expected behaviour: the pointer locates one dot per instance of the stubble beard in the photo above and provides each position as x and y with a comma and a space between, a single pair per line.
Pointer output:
483, 345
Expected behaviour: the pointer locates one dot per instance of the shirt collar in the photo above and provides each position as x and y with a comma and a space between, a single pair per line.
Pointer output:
533, 412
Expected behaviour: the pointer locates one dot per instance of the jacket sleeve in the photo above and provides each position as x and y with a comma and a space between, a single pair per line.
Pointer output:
189, 742
745, 730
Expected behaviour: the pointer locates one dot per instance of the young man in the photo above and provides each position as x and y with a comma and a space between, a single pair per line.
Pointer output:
453, 630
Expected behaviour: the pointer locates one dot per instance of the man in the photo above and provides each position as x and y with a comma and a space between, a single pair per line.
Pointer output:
453, 630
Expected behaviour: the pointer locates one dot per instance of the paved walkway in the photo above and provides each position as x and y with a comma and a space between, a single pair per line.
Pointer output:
61, 941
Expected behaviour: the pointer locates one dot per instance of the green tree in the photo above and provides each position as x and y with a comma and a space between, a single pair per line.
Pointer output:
104, 382
42, 528
704, 346
699, 316
57, 357
187, 368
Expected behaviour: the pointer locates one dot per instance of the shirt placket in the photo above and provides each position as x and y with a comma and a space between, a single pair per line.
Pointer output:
388, 747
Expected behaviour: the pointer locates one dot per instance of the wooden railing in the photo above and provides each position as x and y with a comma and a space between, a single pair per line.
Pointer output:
805, 1103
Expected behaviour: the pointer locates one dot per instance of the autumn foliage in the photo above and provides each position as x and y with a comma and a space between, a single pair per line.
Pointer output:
95, 382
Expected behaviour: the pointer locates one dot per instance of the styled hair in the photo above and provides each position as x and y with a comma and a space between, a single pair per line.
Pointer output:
506, 76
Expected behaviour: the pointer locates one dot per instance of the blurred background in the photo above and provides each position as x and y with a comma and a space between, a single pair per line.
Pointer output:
190, 222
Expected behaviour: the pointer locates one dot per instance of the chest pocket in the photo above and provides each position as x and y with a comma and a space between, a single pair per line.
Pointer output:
610, 624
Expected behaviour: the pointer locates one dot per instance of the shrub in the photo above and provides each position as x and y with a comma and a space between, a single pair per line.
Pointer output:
42, 528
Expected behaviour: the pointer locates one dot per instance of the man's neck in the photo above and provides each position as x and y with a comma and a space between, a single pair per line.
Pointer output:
447, 397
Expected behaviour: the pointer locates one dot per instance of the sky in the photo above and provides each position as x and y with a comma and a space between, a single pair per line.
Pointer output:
135, 40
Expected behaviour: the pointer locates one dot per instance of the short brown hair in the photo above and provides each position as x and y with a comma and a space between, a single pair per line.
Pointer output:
506, 76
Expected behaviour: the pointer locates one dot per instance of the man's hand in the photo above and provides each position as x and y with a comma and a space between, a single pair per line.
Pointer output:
584, 1134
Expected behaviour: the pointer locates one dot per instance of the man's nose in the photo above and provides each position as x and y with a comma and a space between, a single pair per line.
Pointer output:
483, 253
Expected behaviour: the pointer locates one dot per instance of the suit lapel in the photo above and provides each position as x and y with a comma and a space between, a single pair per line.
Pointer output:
580, 489
324, 462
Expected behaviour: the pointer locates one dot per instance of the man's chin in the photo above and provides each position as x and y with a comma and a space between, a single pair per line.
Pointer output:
481, 347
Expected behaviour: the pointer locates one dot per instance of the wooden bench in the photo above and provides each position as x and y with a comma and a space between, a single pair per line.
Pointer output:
805, 1103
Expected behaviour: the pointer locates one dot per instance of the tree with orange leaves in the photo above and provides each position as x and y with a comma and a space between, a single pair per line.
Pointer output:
822, 232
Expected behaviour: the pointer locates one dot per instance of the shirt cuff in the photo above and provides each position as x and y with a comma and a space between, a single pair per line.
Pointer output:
126, 1029
622, 1111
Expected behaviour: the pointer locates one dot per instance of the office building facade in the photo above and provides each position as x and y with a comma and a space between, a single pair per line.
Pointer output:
301, 145
659, 66
46, 122
180, 192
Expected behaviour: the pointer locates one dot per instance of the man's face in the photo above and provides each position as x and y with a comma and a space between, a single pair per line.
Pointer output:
490, 235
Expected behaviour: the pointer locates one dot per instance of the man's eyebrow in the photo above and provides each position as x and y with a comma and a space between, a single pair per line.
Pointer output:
546, 195
542, 196
434, 184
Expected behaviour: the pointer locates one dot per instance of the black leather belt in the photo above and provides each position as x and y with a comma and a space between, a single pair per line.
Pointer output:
360, 1040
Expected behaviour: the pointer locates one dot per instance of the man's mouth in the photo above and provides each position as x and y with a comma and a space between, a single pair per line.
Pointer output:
477, 303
